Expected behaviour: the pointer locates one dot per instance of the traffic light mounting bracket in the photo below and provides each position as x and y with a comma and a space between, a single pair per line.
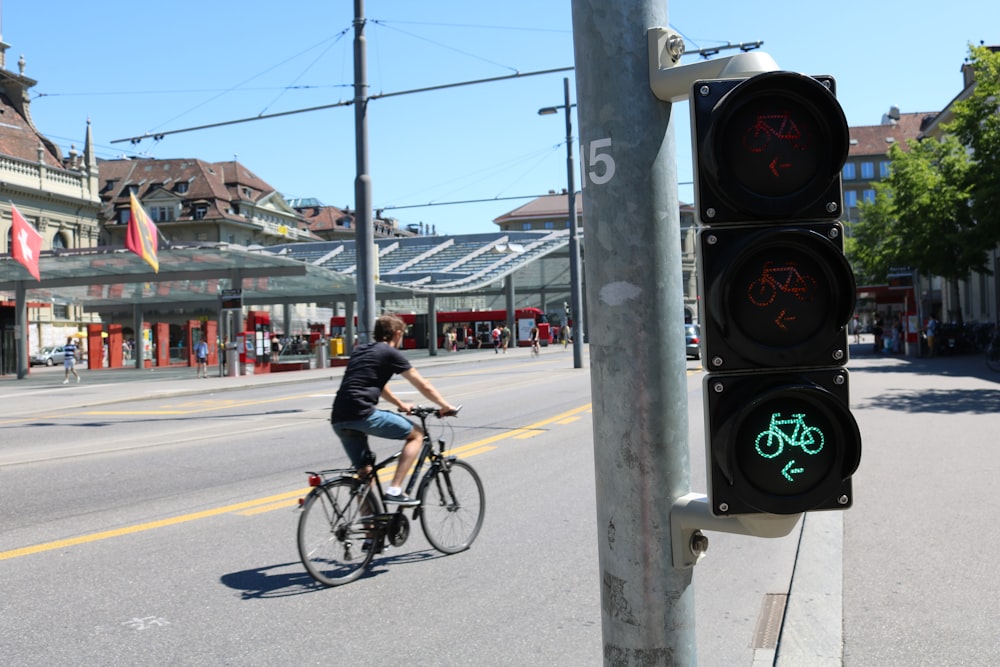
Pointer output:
671, 82
690, 515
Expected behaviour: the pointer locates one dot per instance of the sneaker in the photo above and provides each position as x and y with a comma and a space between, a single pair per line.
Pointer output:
401, 499
78, 379
66, 381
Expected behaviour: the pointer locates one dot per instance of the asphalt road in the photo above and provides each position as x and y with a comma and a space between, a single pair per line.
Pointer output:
149, 518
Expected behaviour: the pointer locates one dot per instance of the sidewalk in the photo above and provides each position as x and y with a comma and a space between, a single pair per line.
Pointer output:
43, 389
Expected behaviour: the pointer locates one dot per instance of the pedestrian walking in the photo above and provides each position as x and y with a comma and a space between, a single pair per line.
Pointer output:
201, 357
69, 360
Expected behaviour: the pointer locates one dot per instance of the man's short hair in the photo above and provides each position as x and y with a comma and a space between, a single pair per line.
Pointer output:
386, 327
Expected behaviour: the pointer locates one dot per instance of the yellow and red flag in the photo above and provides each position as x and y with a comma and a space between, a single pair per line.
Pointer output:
141, 236
26, 241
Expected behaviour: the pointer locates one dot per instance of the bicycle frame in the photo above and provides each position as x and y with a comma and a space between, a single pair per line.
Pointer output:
427, 453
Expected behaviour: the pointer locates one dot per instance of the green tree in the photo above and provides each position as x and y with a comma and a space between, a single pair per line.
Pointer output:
939, 209
977, 125
921, 217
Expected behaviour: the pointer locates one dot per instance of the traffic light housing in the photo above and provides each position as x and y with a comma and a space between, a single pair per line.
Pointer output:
777, 294
769, 148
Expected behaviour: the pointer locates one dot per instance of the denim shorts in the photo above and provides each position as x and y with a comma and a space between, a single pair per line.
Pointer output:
381, 424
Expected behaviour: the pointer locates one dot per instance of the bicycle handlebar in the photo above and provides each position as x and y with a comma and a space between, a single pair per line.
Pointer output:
424, 411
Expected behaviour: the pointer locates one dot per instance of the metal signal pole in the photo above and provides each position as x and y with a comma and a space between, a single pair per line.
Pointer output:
635, 296
364, 232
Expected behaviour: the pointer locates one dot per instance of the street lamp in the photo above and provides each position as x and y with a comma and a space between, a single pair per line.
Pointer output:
576, 292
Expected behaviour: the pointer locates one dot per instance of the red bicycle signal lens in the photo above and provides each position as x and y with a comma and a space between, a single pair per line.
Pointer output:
769, 146
778, 296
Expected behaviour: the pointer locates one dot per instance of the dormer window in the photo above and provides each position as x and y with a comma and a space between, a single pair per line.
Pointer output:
181, 187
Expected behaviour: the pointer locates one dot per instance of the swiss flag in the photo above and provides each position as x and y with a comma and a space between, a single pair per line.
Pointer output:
26, 241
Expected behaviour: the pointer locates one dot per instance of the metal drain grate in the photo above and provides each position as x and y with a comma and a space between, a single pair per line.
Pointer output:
772, 611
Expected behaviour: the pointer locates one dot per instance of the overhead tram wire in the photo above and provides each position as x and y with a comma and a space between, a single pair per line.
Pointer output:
160, 135
335, 39
463, 201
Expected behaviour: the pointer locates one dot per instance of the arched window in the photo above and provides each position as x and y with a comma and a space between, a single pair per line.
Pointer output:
59, 241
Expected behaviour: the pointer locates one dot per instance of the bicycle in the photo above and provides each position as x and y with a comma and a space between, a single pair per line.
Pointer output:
993, 353
775, 279
343, 523
809, 438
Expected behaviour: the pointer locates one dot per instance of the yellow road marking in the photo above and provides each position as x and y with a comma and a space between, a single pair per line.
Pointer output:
200, 406
276, 501
161, 523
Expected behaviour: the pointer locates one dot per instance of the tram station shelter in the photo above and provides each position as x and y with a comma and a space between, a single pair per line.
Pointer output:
194, 277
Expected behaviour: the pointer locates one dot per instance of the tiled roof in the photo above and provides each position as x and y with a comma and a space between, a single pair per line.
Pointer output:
877, 139
19, 139
547, 206
217, 184
321, 218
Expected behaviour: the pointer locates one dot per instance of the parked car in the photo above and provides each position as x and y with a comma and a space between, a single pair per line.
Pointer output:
48, 356
692, 339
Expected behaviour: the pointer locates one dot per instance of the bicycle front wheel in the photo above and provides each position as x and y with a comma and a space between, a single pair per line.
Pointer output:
452, 505
337, 534
993, 357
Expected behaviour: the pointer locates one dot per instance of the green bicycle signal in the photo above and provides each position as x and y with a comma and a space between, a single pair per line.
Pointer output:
771, 443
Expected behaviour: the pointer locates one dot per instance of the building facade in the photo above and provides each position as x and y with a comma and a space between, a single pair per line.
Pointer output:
55, 193
194, 201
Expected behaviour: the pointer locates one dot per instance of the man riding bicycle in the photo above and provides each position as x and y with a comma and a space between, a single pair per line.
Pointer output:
355, 414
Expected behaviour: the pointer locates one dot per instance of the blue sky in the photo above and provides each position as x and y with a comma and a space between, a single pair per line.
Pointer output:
136, 67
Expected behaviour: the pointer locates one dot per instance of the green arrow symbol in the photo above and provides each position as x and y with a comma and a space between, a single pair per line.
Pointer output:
788, 470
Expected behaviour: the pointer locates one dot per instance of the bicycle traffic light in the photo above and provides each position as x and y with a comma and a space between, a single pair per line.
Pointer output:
777, 293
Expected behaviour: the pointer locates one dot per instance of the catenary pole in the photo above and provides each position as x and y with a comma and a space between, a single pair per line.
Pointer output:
363, 224
575, 288
636, 316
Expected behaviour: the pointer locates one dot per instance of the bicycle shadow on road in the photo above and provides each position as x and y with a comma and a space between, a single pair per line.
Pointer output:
271, 581
286, 579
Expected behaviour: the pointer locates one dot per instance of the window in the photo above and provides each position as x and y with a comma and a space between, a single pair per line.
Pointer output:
59, 241
867, 171
161, 213
869, 196
525, 225
123, 216
60, 311
848, 173
549, 224
883, 168
850, 199
182, 187
200, 211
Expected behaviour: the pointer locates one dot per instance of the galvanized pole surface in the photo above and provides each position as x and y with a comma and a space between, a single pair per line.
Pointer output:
636, 320
21, 330
364, 228
575, 289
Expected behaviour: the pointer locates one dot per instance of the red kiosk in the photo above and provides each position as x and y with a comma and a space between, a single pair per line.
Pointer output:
255, 352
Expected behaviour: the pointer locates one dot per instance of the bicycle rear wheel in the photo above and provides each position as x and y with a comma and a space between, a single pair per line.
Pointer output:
337, 535
993, 356
452, 505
